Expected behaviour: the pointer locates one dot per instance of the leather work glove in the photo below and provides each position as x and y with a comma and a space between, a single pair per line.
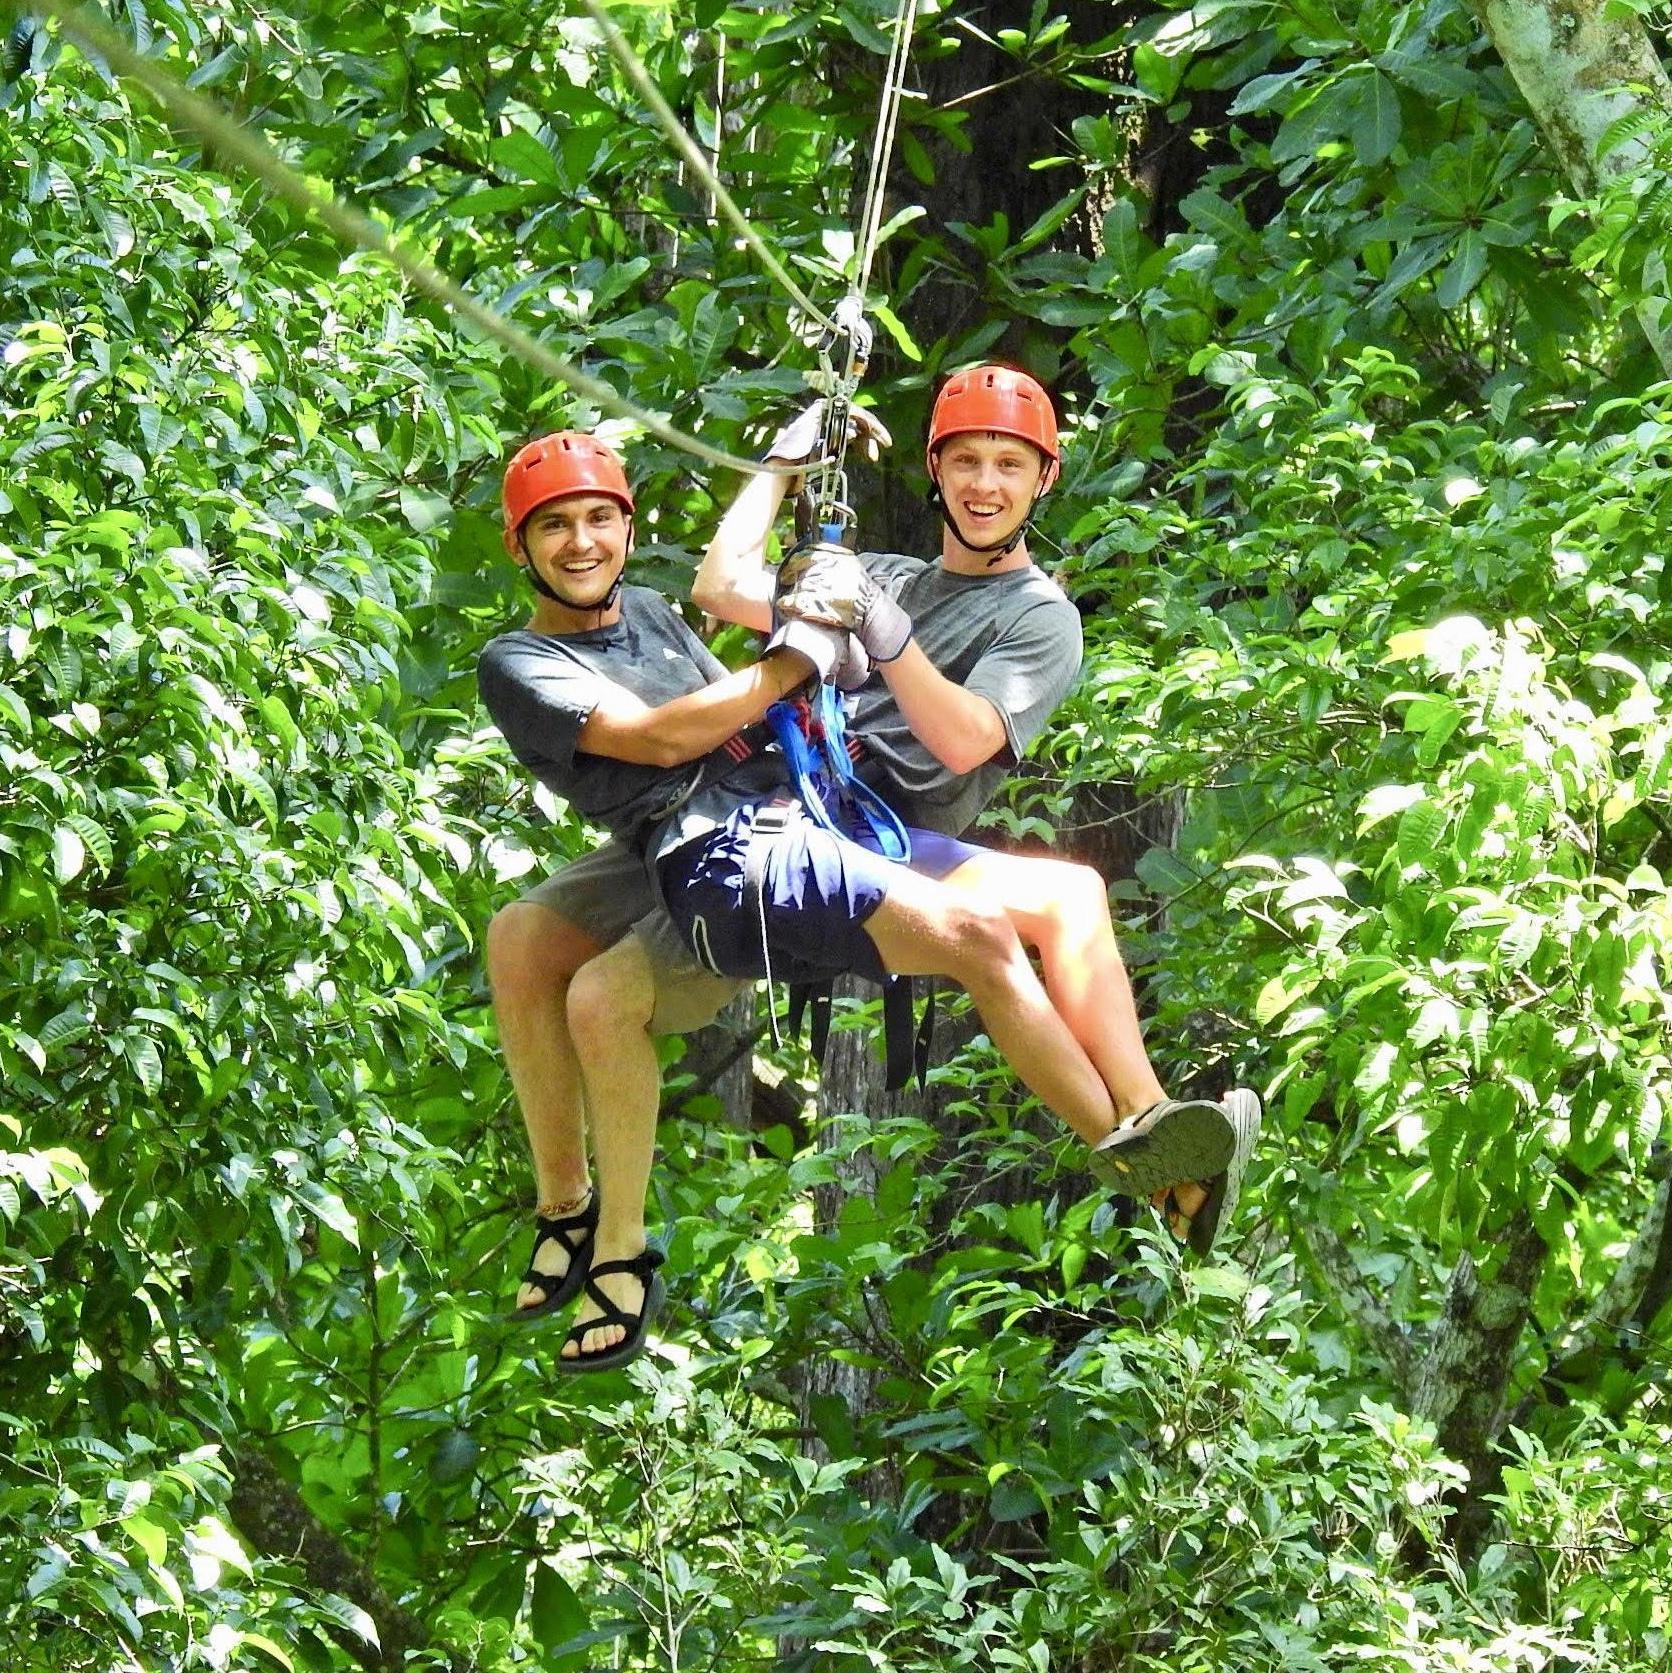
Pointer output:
854, 669
826, 648
824, 583
798, 441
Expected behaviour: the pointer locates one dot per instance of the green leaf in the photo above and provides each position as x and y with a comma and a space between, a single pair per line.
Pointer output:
1420, 827
94, 837
69, 853
1376, 122
260, 1641
333, 1211
896, 329
555, 1613
151, 1539
521, 153
351, 1618
141, 1051
1464, 272
1122, 241
16, 709
1014, 1497
1210, 213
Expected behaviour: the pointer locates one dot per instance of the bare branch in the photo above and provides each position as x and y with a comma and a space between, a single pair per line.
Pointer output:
273, 1517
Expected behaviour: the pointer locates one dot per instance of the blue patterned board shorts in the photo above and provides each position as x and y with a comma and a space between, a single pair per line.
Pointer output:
818, 889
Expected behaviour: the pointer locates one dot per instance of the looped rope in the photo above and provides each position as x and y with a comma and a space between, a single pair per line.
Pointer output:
216, 127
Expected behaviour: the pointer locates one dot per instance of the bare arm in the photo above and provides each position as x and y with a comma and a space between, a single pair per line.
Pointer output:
960, 728
627, 729
733, 581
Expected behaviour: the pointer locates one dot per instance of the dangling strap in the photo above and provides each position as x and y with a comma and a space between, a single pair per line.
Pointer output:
906, 1054
810, 998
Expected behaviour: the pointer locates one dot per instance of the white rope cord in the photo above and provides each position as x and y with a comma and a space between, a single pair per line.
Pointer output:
693, 154
882, 151
829, 481
258, 158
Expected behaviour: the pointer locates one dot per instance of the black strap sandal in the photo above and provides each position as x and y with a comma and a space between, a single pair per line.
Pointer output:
643, 1267
574, 1232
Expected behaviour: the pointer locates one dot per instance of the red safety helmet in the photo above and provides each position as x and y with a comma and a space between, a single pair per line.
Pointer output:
566, 463
993, 398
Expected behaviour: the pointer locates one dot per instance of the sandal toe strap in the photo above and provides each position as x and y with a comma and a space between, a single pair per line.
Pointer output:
642, 1266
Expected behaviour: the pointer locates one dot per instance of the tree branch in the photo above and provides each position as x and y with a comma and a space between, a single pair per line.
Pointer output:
1369, 1312
1633, 1296
273, 1517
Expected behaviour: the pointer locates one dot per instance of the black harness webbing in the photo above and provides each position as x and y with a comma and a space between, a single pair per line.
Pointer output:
906, 1039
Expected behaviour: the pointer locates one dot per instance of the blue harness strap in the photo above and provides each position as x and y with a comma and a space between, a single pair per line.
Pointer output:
814, 738
813, 735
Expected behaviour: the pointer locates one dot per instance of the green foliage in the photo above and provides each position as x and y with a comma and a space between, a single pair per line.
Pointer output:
1363, 509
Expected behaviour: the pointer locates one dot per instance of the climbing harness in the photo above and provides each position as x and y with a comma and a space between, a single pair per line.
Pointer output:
813, 734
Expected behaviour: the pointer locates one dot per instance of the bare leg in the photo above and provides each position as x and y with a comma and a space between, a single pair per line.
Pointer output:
1062, 909
610, 1006
926, 928
532, 955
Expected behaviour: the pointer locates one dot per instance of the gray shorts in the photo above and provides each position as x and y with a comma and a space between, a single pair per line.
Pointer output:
608, 894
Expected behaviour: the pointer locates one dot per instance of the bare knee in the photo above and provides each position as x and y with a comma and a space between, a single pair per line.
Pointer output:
1078, 908
986, 947
610, 993
532, 953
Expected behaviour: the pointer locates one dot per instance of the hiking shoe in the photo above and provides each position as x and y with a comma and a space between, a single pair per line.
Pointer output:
1171, 1141
1243, 1108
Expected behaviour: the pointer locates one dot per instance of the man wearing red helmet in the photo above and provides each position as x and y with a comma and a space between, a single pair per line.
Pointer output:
609, 698
615, 706
974, 652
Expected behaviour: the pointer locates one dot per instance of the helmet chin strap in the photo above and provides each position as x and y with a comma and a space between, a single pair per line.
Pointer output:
546, 590
1000, 548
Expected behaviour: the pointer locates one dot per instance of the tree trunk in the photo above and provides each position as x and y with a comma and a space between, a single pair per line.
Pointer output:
1462, 1383
1579, 65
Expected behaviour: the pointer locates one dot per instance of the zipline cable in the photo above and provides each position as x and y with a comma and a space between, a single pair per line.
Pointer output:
688, 148
258, 158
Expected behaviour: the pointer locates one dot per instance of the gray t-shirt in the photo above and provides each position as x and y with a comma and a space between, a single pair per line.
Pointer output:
1012, 638
540, 688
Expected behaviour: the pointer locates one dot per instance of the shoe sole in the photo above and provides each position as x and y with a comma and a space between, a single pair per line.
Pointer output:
1246, 1115
1188, 1141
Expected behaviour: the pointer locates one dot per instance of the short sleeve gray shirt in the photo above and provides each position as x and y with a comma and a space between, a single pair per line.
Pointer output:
1013, 638
541, 688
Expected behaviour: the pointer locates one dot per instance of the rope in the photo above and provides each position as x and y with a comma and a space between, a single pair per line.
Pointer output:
829, 481
257, 157
693, 154
893, 89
